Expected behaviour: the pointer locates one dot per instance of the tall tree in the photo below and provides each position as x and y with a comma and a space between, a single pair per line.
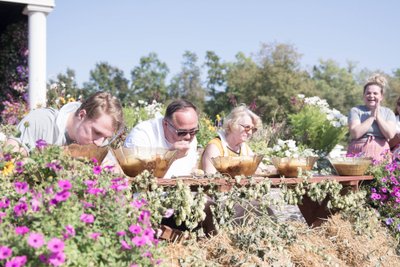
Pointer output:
68, 85
337, 85
148, 79
215, 84
187, 83
108, 78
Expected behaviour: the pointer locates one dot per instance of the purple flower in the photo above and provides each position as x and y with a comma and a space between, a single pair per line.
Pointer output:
35, 204
139, 203
62, 196
138, 241
17, 261
121, 233
97, 170
57, 259
135, 229
144, 216
5, 252
19, 167
94, 236
147, 254
40, 144
87, 205
125, 245
36, 240
4, 203
87, 218
90, 183
7, 157
55, 245
20, 209
44, 258
389, 221
69, 230
375, 196
64, 184
96, 191
21, 230
55, 166
21, 187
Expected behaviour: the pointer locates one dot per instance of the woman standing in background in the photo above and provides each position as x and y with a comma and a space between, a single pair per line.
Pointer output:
371, 125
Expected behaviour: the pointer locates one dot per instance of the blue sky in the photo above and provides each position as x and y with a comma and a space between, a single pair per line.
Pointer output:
82, 33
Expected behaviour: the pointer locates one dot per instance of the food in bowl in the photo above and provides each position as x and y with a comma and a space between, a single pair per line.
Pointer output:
241, 165
134, 161
86, 151
351, 166
289, 167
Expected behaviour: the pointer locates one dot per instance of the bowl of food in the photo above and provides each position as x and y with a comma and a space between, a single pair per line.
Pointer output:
135, 160
290, 167
241, 165
86, 151
350, 166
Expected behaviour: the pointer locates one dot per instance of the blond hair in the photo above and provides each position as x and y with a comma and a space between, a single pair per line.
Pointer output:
231, 121
378, 80
103, 103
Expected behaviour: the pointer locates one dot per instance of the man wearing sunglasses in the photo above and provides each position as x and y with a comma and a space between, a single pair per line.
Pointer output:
176, 131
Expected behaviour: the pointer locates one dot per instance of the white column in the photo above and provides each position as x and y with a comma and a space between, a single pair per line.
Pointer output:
37, 54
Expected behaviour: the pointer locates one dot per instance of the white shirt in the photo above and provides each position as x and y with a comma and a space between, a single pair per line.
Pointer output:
150, 133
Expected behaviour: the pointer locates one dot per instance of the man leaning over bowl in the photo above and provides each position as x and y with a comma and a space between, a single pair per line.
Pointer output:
91, 122
175, 131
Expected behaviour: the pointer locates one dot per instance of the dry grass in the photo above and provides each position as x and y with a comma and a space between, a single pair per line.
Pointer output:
335, 243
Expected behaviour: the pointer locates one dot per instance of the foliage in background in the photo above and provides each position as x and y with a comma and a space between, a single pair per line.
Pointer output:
317, 126
142, 111
207, 130
59, 211
14, 72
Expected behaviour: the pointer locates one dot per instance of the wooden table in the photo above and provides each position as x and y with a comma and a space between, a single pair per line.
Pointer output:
314, 213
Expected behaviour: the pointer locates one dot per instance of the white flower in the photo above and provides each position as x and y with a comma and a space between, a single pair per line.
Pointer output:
301, 96
291, 144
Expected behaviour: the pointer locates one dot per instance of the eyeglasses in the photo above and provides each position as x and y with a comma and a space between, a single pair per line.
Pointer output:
181, 133
249, 128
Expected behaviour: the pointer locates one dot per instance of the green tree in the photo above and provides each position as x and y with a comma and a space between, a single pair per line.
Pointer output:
215, 84
111, 79
187, 83
337, 85
68, 83
148, 79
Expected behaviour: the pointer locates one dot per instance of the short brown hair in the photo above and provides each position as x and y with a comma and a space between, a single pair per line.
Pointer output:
103, 103
177, 105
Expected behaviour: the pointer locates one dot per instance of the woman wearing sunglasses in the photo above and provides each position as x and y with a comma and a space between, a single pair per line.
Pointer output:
237, 129
371, 125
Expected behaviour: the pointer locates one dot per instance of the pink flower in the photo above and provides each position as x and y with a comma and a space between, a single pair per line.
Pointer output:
97, 170
64, 184
69, 230
40, 144
121, 233
5, 252
20, 209
138, 241
55, 245
21, 187
135, 229
21, 230
139, 203
125, 245
62, 196
4, 203
18, 261
94, 236
35, 240
35, 204
144, 216
87, 205
57, 259
87, 218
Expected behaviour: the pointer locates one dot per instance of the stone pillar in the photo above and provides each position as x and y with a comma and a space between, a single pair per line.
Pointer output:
37, 54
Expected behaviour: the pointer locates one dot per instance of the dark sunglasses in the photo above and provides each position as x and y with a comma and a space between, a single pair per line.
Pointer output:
248, 128
181, 133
